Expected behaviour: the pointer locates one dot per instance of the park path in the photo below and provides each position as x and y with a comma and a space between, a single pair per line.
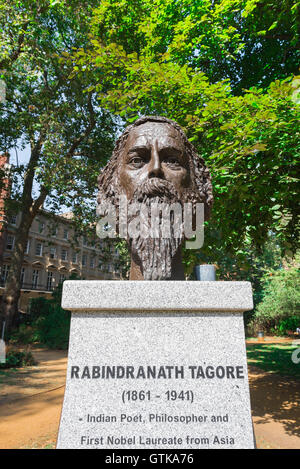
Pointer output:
31, 401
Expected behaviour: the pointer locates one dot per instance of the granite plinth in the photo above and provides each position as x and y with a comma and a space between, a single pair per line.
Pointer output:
162, 296
141, 375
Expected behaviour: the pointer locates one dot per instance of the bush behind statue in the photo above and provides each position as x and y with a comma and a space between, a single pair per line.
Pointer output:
46, 323
288, 324
279, 309
17, 359
53, 329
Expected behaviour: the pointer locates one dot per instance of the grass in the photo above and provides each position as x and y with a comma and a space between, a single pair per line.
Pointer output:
45, 442
274, 358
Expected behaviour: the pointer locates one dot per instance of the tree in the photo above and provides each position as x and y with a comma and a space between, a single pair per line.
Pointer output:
248, 264
250, 42
68, 133
279, 307
172, 58
65, 62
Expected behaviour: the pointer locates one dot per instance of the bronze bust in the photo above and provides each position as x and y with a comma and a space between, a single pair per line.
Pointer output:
154, 163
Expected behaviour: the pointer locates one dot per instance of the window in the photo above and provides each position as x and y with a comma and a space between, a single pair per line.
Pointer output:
4, 272
109, 268
62, 277
84, 258
22, 278
66, 234
13, 220
92, 262
41, 226
39, 249
35, 278
27, 246
85, 241
100, 265
49, 280
10, 242
54, 231
52, 253
74, 257
64, 255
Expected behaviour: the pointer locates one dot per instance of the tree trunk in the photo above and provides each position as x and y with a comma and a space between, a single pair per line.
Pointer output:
29, 209
13, 285
12, 290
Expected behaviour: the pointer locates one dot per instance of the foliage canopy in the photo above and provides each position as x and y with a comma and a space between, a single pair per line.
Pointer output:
191, 61
224, 70
280, 306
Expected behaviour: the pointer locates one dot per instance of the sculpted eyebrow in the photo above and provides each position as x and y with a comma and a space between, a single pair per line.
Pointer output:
138, 148
173, 149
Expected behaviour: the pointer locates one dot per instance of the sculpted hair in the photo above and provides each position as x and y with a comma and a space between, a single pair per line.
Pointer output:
201, 187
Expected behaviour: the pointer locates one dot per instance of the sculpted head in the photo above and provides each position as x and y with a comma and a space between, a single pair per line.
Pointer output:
154, 161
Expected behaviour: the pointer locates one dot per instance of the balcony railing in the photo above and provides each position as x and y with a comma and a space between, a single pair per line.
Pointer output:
32, 286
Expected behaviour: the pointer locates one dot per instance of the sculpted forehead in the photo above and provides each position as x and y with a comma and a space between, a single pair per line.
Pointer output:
145, 134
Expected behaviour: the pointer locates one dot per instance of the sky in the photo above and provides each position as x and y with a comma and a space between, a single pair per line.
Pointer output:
19, 157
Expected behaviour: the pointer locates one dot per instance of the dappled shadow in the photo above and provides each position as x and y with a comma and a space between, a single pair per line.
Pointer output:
20, 383
275, 398
31, 405
19, 387
275, 358
275, 394
25, 421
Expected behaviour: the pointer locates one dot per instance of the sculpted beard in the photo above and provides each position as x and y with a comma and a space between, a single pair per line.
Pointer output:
155, 254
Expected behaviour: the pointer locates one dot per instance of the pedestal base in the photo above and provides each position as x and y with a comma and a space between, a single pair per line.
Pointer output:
156, 379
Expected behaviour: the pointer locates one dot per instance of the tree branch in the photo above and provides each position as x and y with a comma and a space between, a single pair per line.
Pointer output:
92, 123
29, 175
15, 54
39, 201
20, 42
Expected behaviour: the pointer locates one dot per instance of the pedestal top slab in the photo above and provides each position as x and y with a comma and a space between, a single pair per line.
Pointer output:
133, 295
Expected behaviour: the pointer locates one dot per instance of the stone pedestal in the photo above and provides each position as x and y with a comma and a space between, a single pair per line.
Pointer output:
156, 365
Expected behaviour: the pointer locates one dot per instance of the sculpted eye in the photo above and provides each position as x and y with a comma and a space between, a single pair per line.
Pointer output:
172, 161
136, 161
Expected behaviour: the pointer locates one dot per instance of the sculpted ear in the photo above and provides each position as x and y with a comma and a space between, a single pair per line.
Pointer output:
108, 183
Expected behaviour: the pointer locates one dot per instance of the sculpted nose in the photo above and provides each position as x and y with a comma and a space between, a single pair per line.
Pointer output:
155, 169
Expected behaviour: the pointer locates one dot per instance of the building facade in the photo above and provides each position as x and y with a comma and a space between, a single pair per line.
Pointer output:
54, 253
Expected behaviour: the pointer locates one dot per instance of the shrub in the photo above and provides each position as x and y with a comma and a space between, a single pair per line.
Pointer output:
17, 359
288, 324
37, 307
24, 335
53, 328
279, 307
46, 322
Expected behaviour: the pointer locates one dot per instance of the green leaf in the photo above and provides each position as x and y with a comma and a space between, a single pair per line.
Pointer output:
273, 25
